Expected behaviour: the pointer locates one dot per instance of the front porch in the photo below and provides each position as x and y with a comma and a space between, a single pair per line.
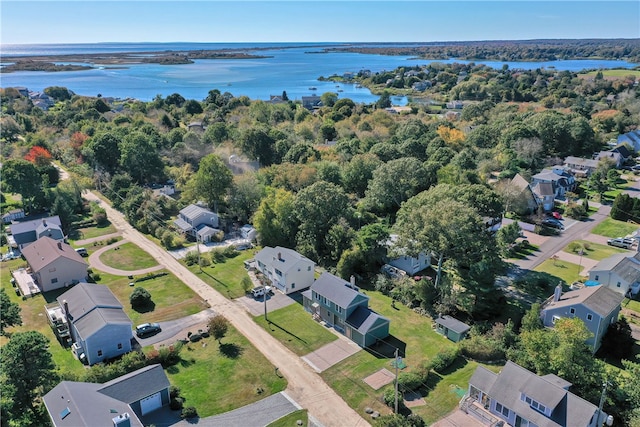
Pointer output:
471, 406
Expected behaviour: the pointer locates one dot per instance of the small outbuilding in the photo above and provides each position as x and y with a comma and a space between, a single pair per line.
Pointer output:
451, 328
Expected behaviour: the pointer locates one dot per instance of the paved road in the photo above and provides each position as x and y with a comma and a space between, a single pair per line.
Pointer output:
304, 385
577, 231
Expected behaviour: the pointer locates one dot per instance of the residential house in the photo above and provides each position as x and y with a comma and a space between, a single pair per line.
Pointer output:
620, 272
249, 233
192, 219
407, 263
519, 397
545, 194
612, 156
285, 268
597, 306
580, 166
632, 139
340, 304
311, 102
54, 264
624, 152
527, 200
121, 402
454, 105
559, 177
98, 326
421, 86
26, 232
451, 328
13, 215
276, 99
197, 127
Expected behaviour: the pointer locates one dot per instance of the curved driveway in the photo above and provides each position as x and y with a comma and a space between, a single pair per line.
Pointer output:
94, 261
304, 385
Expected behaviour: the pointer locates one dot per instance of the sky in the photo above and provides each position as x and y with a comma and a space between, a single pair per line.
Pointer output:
89, 21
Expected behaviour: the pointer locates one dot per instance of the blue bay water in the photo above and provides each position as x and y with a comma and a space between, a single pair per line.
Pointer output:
289, 67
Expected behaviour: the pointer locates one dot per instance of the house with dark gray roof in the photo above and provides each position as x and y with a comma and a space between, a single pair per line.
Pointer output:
597, 306
545, 194
519, 397
198, 222
285, 269
340, 304
122, 402
526, 201
620, 272
559, 177
98, 326
24, 233
54, 264
451, 328
632, 139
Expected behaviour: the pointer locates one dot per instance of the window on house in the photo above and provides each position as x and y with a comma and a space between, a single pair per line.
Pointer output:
338, 309
613, 320
119, 346
278, 272
99, 353
293, 286
597, 278
553, 320
572, 310
309, 268
589, 317
54, 280
618, 284
51, 270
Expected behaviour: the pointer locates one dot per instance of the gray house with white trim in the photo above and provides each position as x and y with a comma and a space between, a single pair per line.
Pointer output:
518, 397
121, 402
620, 272
340, 304
597, 306
99, 327
194, 218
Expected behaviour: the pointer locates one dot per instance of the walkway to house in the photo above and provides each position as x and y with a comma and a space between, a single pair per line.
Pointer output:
332, 353
94, 261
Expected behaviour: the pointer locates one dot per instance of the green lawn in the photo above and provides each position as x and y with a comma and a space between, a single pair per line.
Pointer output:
595, 251
417, 342
128, 257
566, 271
91, 232
295, 328
632, 305
172, 298
614, 228
226, 277
614, 73
215, 383
292, 419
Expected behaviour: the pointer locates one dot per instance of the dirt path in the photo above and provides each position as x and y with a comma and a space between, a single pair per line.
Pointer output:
96, 262
304, 385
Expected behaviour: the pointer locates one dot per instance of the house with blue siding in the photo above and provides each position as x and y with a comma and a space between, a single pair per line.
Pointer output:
597, 306
340, 304
98, 326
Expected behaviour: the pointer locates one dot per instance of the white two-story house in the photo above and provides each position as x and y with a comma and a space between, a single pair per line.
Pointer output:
286, 269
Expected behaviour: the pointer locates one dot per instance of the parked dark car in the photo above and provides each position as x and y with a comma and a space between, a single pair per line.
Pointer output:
147, 329
553, 223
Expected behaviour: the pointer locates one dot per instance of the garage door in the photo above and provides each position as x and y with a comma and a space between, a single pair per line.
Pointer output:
150, 403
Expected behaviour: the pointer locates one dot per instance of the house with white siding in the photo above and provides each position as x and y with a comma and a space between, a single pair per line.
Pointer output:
285, 269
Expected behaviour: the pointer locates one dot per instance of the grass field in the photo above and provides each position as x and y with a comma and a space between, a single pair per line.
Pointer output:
226, 277
91, 232
563, 270
295, 328
128, 257
215, 383
292, 419
614, 228
595, 250
417, 342
172, 299
613, 73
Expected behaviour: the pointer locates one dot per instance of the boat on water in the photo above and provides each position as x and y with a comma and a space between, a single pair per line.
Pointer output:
313, 88
340, 90
358, 86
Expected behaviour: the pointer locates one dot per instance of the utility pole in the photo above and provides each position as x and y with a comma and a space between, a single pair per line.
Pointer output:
265, 304
198, 246
604, 391
396, 393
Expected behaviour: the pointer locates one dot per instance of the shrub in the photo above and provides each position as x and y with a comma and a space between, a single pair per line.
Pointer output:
574, 247
191, 258
217, 256
189, 412
230, 252
176, 403
174, 391
478, 347
112, 240
444, 359
409, 381
389, 398
140, 298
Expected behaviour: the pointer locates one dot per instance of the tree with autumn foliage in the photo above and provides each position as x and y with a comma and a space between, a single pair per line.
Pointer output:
452, 136
77, 141
39, 156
